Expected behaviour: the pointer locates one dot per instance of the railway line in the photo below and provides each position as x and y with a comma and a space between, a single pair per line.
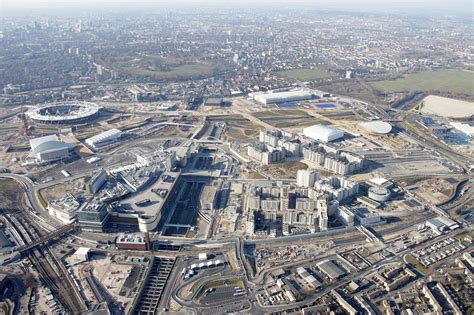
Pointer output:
51, 271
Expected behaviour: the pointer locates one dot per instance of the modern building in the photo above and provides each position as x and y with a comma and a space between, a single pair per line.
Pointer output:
293, 207
322, 207
50, 148
133, 242
441, 224
365, 217
64, 209
346, 215
379, 194
377, 127
464, 128
144, 206
337, 161
68, 113
265, 154
323, 133
93, 217
275, 97
307, 178
270, 137
104, 138
338, 188
97, 181
287, 142
82, 254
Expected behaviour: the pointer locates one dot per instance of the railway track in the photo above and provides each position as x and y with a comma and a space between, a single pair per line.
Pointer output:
51, 271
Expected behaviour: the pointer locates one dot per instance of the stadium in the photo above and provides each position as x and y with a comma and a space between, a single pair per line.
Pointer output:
64, 113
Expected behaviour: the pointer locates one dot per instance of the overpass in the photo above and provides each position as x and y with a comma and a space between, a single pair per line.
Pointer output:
47, 238
201, 173
370, 236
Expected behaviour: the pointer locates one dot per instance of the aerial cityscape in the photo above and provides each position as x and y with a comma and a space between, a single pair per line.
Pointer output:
249, 158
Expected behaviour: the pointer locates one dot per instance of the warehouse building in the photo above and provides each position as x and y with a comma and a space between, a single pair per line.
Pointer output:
308, 278
330, 269
104, 138
50, 148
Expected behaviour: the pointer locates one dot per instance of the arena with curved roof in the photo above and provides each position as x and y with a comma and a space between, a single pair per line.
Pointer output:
323, 133
378, 127
64, 113
49, 148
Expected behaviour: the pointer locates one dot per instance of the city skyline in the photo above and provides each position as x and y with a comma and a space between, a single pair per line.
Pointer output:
422, 6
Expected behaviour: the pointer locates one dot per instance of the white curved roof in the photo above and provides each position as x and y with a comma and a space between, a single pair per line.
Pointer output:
47, 144
379, 191
48, 112
323, 133
380, 127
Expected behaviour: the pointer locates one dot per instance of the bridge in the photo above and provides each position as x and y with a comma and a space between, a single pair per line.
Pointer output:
369, 235
202, 173
45, 239
186, 226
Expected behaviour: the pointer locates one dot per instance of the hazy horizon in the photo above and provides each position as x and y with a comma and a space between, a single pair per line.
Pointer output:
463, 7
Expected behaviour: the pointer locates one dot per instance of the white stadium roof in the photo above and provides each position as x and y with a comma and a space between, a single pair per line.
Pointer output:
380, 127
62, 112
47, 144
323, 133
38, 141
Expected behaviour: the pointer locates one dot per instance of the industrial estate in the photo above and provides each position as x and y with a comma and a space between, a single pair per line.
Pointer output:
245, 178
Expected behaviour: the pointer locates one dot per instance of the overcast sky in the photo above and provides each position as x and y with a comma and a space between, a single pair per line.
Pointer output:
448, 6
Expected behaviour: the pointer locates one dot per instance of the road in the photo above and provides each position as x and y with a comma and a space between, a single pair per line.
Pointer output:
30, 191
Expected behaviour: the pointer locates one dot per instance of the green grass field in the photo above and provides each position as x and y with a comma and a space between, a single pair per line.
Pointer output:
185, 70
447, 80
305, 74
280, 113
288, 118
160, 68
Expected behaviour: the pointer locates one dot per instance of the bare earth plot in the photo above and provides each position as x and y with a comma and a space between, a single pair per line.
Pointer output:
447, 107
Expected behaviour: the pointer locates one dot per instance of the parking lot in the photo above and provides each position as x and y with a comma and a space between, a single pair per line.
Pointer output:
438, 251
223, 294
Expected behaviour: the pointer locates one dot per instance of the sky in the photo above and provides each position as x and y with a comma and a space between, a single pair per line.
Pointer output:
440, 6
